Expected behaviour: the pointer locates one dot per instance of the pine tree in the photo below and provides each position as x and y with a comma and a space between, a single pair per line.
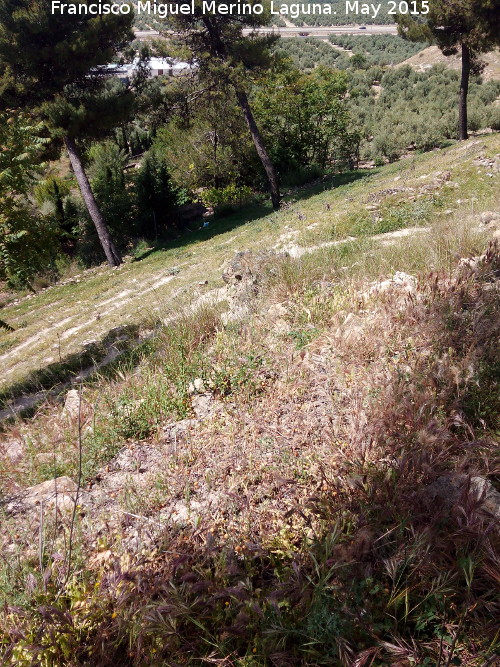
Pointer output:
471, 27
53, 64
26, 237
226, 58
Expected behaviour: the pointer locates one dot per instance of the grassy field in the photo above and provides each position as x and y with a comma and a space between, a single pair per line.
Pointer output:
298, 469
54, 324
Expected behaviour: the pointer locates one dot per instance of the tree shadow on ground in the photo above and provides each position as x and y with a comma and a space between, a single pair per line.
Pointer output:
216, 225
220, 224
329, 183
23, 397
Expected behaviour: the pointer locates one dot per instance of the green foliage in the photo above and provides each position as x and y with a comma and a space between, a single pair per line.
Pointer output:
413, 109
378, 49
90, 110
136, 204
169, 362
468, 26
157, 198
308, 53
305, 120
53, 196
230, 195
456, 23
52, 63
303, 337
41, 52
26, 237
107, 173
132, 138
210, 148
236, 373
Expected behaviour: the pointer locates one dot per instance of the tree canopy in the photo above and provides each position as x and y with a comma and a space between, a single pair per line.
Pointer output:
470, 27
227, 58
54, 64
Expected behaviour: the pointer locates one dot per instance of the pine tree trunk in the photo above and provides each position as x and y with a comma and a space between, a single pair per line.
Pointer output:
261, 149
110, 250
464, 89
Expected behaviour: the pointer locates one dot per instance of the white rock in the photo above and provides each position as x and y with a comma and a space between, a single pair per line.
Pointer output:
489, 216
450, 489
199, 385
72, 404
400, 280
404, 279
196, 387
281, 327
204, 405
484, 490
276, 311
351, 328
59, 492
13, 449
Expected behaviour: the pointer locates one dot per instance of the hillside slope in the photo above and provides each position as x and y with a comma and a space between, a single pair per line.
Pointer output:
56, 323
432, 55
301, 466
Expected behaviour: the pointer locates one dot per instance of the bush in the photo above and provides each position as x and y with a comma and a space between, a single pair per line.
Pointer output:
493, 117
225, 198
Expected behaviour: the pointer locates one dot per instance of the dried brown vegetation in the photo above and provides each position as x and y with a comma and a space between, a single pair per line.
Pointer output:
355, 519
310, 478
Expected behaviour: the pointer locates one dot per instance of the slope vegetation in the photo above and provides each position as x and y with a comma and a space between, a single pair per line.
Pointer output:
299, 466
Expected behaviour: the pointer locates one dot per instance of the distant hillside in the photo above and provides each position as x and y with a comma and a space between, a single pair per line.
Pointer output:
339, 15
432, 56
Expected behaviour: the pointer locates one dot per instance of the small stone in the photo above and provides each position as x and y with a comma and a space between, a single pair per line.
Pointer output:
351, 329
13, 449
489, 216
44, 458
196, 387
276, 311
199, 385
72, 404
281, 327
185, 514
204, 405
486, 492
450, 490
59, 492
400, 280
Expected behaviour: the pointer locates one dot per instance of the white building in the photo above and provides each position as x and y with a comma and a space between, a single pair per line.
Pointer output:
157, 67
168, 66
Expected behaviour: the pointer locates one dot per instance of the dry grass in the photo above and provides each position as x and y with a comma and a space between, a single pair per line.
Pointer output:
325, 512
317, 531
54, 324
433, 56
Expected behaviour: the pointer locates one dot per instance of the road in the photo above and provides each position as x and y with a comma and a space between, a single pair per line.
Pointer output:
325, 31
312, 31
